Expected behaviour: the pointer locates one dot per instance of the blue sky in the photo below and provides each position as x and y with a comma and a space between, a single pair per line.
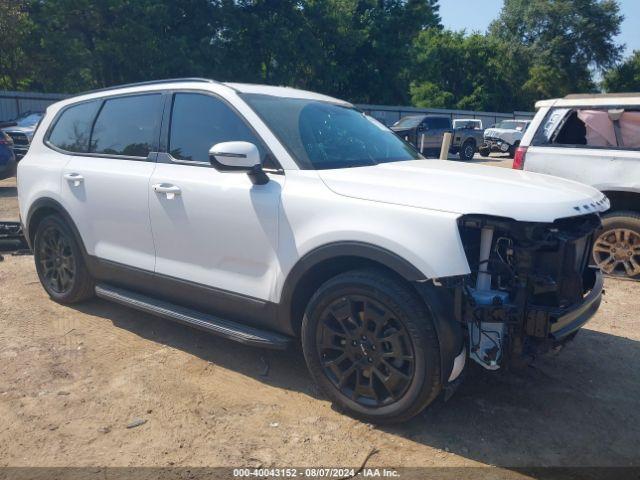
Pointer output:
477, 14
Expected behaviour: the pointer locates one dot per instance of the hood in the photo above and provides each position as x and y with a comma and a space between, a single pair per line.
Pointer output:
467, 189
402, 130
28, 131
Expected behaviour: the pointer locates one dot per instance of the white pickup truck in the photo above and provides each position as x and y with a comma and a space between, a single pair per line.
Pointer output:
503, 137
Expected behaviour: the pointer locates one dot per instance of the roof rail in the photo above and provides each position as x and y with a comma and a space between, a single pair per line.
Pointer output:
151, 82
578, 96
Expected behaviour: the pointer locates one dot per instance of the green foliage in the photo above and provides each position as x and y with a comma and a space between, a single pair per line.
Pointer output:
625, 77
474, 72
564, 39
367, 51
359, 49
15, 27
535, 49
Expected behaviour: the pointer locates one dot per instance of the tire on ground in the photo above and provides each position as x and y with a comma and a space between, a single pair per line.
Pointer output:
410, 311
467, 150
81, 285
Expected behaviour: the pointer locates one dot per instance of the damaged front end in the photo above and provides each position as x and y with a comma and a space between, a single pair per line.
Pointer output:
530, 289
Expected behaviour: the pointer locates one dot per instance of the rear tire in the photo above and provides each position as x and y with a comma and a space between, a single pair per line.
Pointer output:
371, 346
484, 152
617, 249
59, 262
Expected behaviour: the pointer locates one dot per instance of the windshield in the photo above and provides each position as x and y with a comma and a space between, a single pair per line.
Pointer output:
408, 122
28, 119
322, 135
512, 125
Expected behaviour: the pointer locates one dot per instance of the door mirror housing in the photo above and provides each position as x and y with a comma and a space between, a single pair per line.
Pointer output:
238, 157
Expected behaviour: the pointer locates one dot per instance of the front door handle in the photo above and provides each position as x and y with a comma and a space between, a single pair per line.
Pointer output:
75, 178
169, 190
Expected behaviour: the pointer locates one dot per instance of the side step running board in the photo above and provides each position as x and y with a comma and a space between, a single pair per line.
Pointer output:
209, 323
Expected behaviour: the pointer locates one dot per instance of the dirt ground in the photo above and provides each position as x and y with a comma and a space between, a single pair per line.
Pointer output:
73, 379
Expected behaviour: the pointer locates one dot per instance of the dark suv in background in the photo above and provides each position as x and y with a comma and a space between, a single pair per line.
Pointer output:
22, 131
7, 157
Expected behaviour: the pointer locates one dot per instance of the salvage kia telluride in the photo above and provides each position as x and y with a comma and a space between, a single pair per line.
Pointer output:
270, 215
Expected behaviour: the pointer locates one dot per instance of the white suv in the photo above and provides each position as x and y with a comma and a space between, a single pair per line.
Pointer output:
270, 215
595, 139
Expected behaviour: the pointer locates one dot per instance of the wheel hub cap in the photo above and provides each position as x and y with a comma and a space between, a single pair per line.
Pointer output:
365, 351
617, 252
56, 260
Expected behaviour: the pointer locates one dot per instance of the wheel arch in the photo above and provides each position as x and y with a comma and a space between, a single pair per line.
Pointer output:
326, 261
323, 263
623, 200
40, 209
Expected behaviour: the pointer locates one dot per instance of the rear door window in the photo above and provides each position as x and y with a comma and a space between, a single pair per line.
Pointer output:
127, 126
72, 130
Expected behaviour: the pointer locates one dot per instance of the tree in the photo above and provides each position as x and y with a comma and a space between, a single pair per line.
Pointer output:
565, 39
475, 72
358, 49
624, 77
15, 27
81, 44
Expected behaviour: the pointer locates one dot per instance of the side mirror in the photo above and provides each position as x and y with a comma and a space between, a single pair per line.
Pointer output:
238, 157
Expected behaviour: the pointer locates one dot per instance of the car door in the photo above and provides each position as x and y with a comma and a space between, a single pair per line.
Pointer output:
433, 134
105, 184
215, 232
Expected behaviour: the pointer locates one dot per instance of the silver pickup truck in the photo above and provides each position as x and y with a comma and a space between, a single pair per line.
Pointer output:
427, 131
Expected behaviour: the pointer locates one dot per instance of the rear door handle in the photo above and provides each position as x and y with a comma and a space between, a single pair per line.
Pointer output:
75, 178
169, 190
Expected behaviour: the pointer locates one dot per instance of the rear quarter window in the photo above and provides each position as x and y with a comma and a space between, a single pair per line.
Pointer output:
591, 127
72, 129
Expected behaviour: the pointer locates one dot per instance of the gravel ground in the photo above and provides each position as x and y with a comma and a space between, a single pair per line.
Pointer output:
72, 379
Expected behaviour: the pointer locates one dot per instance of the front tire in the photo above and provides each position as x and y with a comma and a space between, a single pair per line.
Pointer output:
59, 262
617, 249
371, 346
484, 152
468, 150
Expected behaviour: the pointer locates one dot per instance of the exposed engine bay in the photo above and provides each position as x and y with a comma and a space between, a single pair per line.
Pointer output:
531, 286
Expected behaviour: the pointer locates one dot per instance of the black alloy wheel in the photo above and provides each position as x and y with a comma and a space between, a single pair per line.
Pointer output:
56, 260
365, 351
59, 262
370, 344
